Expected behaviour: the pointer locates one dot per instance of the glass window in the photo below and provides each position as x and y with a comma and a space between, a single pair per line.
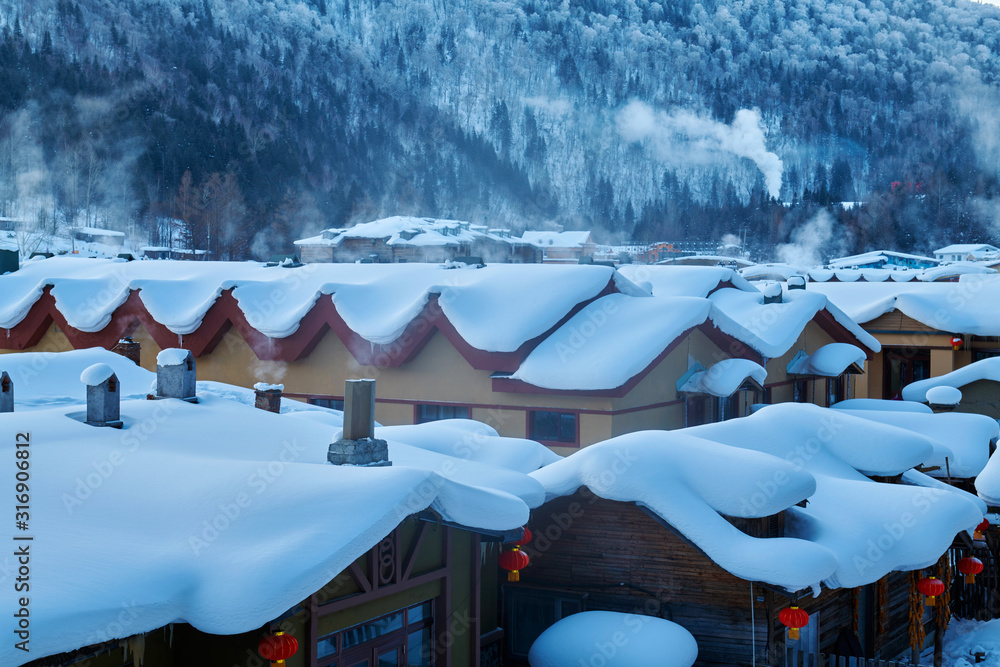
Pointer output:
418, 648
365, 632
332, 403
433, 413
553, 426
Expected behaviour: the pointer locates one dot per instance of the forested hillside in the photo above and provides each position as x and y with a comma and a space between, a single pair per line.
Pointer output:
257, 122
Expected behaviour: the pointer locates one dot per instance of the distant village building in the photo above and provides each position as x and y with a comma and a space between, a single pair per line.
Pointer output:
98, 235
562, 247
883, 259
401, 239
969, 252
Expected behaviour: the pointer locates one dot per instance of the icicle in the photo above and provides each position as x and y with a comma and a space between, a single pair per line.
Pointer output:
136, 645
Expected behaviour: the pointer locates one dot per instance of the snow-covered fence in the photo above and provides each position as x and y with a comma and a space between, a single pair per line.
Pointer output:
796, 658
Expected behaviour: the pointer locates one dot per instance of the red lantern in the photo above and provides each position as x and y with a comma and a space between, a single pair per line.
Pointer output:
970, 567
524, 539
956, 342
793, 618
930, 587
977, 534
513, 561
277, 647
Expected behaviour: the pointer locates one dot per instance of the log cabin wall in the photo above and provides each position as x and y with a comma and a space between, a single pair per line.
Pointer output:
622, 559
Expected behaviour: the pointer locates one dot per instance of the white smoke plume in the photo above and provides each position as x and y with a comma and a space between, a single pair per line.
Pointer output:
810, 242
683, 137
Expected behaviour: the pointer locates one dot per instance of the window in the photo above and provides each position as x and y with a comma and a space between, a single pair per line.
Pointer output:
901, 366
800, 391
432, 413
836, 390
553, 427
404, 637
332, 403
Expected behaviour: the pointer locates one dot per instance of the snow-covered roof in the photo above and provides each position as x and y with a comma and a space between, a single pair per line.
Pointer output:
496, 308
97, 231
723, 378
557, 239
775, 327
944, 395
219, 514
684, 280
961, 438
877, 256
634, 641
965, 249
984, 369
830, 360
409, 231
616, 337
958, 307
768, 463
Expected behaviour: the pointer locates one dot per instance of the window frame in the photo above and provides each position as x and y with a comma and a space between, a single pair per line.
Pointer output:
418, 417
532, 433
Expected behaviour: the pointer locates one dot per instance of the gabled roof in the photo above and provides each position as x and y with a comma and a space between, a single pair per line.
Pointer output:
409, 231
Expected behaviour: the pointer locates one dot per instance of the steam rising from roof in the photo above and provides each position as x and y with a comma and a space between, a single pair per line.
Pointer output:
683, 137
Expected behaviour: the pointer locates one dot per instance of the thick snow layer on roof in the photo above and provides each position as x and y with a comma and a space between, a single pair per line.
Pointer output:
496, 308
951, 307
684, 280
190, 549
944, 395
770, 271
879, 404
830, 360
569, 239
876, 256
622, 640
777, 326
984, 369
610, 341
965, 248
849, 512
690, 483
724, 377
963, 438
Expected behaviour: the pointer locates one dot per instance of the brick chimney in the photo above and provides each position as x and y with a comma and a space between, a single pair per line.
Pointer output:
176, 375
358, 446
129, 349
103, 396
268, 396
6, 393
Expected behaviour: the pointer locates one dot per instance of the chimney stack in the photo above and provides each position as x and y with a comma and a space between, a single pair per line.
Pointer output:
176, 375
103, 396
772, 292
358, 446
796, 282
268, 396
129, 349
6, 393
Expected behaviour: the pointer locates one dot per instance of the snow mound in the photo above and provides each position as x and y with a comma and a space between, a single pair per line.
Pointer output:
879, 404
620, 640
172, 356
944, 395
96, 374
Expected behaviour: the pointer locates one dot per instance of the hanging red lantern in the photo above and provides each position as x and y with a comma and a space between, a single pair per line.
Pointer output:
277, 647
931, 587
970, 567
977, 534
524, 539
793, 618
956, 342
513, 561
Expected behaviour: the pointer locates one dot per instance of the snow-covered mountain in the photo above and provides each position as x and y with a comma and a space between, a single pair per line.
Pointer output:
660, 121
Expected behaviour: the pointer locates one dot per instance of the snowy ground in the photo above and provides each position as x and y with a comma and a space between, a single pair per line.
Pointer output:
965, 638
